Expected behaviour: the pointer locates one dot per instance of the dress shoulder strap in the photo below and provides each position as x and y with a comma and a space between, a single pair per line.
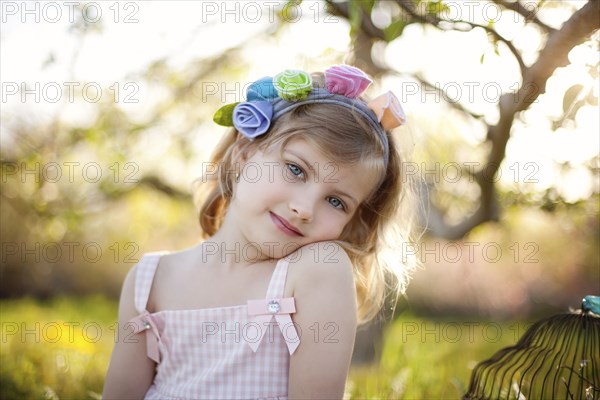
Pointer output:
277, 283
145, 270
274, 306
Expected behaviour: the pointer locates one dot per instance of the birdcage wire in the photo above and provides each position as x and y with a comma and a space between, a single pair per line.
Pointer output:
556, 358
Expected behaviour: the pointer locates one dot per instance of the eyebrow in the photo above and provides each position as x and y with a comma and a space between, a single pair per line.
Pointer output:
309, 165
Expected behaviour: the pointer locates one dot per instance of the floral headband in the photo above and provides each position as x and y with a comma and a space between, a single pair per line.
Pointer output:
269, 98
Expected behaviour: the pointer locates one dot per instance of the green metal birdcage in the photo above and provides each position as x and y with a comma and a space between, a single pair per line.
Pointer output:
556, 358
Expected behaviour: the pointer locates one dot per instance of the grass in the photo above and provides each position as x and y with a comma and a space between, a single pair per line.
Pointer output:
55, 350
60, 350
427, 359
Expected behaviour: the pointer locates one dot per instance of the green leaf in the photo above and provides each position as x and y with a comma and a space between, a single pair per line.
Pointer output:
291, 6
224, 115
435, 7
355, 17
496, 48
357, 10
481, 58
393, 30
368, 5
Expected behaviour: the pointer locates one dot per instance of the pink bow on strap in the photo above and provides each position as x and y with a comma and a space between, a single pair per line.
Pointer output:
264, 310
144, 322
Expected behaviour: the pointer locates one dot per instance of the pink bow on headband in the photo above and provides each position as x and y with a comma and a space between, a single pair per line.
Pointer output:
388, 110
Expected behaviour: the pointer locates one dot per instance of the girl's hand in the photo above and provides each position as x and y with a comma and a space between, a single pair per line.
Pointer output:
131, 372
326, 316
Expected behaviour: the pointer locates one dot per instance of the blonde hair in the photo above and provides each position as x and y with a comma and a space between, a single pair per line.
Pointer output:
377, 239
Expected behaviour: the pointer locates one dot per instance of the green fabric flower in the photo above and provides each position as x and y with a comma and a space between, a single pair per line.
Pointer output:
293, 84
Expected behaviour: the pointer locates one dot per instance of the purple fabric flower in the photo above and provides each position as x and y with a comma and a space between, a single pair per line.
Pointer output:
252, 119
346, 80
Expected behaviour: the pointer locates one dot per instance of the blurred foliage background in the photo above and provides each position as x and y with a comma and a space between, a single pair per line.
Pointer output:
502, 98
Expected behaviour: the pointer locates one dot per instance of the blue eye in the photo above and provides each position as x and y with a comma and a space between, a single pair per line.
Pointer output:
294, 169
337, 203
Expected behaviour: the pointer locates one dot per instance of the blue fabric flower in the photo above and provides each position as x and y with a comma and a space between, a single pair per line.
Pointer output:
252, 119
262, 89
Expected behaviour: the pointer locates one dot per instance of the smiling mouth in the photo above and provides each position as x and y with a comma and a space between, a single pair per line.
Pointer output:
284, 225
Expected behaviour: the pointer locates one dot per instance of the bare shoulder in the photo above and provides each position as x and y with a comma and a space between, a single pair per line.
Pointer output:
179, 257
321, 257
322, 273
172, 269
177, 262
325, 317
321, 264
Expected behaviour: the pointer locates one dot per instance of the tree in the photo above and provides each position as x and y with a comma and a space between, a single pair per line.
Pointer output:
578, 28
40, 210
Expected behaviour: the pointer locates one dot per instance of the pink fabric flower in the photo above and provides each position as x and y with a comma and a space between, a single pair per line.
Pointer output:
388, 110
346, 80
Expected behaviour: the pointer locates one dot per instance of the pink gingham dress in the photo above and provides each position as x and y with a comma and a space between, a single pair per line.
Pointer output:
236, 352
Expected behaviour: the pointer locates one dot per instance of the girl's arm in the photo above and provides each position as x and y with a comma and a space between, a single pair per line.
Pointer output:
130, 372
326, 323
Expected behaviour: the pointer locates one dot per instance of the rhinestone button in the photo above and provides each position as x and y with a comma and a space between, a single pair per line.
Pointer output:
273, 306
146, 324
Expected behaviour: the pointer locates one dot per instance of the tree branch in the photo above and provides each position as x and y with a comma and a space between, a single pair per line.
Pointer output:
454, 104
580, 26
574, 31
366, 24
529, 15
152, 181
408, 6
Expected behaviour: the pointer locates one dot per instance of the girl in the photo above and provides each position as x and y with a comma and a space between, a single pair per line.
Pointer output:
299, 217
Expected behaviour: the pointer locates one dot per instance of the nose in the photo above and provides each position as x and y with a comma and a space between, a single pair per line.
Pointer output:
303, 209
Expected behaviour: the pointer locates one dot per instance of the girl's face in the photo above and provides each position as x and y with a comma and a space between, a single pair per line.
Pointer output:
285, 200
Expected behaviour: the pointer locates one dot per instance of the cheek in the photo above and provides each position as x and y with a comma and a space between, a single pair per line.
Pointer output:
350, 225
334, 224
257, 186
269, 171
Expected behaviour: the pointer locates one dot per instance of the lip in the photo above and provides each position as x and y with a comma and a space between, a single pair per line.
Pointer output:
284, 225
